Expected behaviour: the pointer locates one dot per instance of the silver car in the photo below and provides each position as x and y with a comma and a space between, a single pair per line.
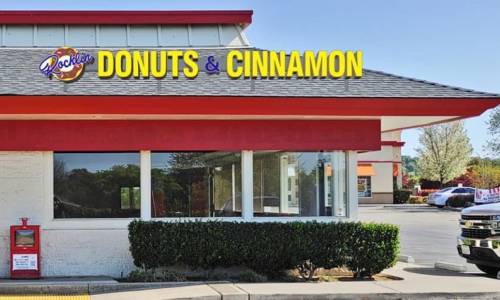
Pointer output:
440, 198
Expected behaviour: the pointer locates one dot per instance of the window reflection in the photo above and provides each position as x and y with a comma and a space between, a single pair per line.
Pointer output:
364, 186
96, 185
300, 183
195, 184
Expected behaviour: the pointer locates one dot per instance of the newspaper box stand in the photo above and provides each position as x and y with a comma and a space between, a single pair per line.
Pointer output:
24, 251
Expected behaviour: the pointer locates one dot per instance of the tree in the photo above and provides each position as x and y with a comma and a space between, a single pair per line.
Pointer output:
408, 164
485, 172
494, 130
444, 151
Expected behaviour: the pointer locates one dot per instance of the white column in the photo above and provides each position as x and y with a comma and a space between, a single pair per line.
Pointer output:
339, 183
146, 185
247, 185
48, 187
233, 186
352, 194
284, 183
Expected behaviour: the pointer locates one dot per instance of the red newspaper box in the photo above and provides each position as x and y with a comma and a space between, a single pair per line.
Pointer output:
24, 251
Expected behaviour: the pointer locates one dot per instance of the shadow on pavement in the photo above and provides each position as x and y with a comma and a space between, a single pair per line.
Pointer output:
438, 272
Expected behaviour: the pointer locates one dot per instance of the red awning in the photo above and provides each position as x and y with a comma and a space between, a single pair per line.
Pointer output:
189, 135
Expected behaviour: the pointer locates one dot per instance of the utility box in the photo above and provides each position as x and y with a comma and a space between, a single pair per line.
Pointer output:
25, 251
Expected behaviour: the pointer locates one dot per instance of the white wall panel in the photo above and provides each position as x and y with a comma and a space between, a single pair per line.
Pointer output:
113, 36
117, 36
21, 195
382, 181
50, 36
204, 36
385, 154
143, 35
25, 185
79, 36
230, 36
172, 36
86, 252
18, 36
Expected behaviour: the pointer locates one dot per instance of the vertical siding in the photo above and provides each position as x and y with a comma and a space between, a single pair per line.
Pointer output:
122, 36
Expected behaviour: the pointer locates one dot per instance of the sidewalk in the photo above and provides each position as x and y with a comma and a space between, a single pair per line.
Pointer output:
419, 283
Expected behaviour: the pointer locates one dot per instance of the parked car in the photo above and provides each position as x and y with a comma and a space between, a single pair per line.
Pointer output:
479, 241
440, 198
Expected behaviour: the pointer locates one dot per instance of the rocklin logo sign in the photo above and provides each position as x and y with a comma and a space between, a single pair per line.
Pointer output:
67, 64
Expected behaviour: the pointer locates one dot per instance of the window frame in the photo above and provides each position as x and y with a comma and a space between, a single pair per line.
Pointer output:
370, 189
344, 192
97, 152
196, 218
50, 223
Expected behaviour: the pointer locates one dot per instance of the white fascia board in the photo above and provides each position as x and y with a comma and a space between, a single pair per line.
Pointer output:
396, 123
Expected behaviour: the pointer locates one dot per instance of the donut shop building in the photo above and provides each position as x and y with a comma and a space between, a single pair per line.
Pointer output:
82, 155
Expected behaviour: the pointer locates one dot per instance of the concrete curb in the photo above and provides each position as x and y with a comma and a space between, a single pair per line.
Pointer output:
385, 296
227, 291
405, 205
450, 266
453, 208
94, 289
87, 288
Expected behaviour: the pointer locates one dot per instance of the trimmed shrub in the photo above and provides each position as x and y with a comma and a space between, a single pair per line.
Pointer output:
250, 276
375, 248
266, 248
460, 200
426, 193
154, 276
401, 196
417, 200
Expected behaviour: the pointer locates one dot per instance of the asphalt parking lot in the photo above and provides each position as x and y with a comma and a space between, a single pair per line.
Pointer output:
428, 234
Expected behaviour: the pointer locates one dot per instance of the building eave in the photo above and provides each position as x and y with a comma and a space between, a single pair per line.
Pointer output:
138, 17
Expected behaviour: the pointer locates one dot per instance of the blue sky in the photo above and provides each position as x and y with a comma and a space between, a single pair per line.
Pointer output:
449, 41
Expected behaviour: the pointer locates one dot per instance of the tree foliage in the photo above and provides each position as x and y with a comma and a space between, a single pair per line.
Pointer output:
494, 130
444, 151
485, 172
409, 165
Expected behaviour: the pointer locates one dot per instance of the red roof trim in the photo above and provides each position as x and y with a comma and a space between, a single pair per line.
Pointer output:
244, 106
392, 143
126, 17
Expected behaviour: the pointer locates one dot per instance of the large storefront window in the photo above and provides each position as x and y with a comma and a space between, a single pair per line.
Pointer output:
364, 186
97, 185
300, 184
195, 184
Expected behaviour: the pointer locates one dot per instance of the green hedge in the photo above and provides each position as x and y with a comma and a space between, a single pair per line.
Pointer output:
267, 248
401, 196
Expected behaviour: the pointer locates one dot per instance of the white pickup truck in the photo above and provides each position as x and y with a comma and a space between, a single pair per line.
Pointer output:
479, 241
